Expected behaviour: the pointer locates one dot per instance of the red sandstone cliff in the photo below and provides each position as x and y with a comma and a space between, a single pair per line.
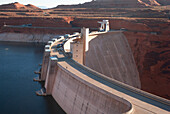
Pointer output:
114, 24
107, 4
36, 21
39, 25
152, 55
116, 4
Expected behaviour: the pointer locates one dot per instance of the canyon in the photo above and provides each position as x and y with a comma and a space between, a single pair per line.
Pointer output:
147, 30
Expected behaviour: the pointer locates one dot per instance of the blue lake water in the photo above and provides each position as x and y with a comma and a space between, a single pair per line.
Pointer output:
18, 61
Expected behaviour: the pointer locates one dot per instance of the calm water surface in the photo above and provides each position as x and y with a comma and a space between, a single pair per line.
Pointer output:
17, 89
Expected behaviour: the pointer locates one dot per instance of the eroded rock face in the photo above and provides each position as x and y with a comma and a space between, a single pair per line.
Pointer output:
152, 56
115, 4
37, 22
114, 24
107, 4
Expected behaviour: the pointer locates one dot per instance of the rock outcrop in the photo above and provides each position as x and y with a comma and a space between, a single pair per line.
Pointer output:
106, 4
37, 22
30, 6
17, 5
114, 4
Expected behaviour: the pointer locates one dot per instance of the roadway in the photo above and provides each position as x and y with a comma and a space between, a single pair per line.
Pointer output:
133, 92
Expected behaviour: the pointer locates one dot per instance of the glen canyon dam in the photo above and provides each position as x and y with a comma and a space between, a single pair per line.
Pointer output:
99, 57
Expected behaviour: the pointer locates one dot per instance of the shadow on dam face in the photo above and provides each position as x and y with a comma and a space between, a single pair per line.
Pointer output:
110, 54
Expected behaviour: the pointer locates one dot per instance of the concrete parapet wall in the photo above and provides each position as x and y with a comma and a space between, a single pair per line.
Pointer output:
45, 65
50, 77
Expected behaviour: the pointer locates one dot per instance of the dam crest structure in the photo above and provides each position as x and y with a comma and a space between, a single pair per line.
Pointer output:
95, 73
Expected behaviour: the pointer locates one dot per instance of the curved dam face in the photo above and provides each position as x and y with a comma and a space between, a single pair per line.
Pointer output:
75, 92
77, 97
111, 55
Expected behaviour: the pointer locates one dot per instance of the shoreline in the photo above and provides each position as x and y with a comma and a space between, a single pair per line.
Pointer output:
25, 38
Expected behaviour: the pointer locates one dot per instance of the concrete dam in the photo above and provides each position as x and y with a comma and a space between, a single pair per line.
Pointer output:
95, 73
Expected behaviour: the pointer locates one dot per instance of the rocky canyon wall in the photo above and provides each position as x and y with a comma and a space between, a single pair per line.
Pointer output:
35, 21
152, 56
42, 29
118, 4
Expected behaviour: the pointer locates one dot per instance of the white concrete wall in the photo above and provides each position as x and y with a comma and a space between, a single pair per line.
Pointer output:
77, 96
110, 54
44, 67
51, 75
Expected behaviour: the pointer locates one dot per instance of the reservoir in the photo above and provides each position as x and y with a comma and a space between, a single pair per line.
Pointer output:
18, 61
